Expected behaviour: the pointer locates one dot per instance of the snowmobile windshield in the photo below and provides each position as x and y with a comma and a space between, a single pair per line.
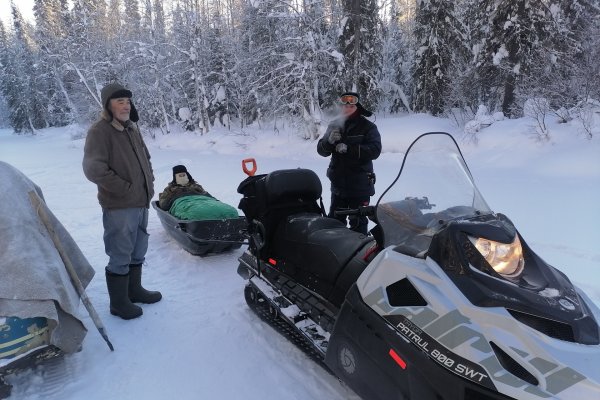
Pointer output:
433, 186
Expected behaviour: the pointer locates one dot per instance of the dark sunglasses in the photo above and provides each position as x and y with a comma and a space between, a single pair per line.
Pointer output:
349, 99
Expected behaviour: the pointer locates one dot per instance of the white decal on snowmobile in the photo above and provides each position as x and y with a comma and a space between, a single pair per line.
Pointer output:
441, 355
470, 373
556, 382
412, 336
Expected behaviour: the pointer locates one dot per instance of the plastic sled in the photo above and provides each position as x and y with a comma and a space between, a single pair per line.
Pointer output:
206, 236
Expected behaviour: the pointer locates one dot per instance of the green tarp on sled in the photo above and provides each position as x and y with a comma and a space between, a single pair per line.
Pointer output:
200, 208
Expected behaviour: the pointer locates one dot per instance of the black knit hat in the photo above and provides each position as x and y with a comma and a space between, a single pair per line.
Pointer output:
179, 169
359, 107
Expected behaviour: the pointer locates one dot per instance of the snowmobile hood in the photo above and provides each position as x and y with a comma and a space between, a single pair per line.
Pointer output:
527, 335
486, 345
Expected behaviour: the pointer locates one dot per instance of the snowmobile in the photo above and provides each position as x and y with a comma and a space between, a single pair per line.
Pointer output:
443, 299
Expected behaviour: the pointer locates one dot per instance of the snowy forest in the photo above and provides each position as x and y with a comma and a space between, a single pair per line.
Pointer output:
196, 64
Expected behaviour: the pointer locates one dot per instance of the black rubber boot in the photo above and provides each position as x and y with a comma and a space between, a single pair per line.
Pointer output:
137, 293
120, 305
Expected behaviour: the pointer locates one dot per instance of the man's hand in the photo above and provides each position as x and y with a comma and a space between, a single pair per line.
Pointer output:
341, 148
334, 136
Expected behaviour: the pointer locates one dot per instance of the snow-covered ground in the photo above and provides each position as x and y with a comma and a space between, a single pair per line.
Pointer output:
202, 341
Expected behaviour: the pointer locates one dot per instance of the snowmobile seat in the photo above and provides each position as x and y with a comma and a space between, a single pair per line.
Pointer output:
293, 188
271, 198
317, 249
291, 185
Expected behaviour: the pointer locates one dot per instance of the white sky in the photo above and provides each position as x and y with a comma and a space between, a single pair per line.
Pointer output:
26, 7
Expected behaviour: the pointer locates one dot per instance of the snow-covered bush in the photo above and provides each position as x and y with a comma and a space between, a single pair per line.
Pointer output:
587, 116
185, 115
482, 119
538, 108
563, 115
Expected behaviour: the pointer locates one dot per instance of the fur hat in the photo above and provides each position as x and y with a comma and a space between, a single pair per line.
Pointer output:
362, 110
179, 169
115, 91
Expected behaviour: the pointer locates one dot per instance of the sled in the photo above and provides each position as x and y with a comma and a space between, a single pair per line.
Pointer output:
206, 236
24, 343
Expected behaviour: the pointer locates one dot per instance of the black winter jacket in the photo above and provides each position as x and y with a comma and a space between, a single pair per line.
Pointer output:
351, 173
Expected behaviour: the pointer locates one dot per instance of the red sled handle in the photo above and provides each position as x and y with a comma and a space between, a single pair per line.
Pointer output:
247, 171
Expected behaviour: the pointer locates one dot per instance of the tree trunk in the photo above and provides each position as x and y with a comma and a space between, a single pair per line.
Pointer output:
509, 95
65, 93
165, 115
510, 81
357, 38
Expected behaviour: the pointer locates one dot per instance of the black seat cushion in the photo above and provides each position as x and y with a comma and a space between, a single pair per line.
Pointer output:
271, 198
318, 245
287, 185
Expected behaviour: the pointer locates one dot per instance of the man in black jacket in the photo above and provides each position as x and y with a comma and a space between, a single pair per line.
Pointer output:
353, 142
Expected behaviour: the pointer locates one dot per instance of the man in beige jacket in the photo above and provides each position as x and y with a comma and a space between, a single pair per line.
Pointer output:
117, 160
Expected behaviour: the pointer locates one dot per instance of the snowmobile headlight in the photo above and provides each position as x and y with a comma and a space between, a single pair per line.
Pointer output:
505, 258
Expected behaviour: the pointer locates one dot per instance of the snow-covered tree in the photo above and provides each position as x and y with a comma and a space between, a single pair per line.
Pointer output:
188, 40
50, 36
198, 63
88, 61
5, 73
519, 32
257, 60
150, 71
437, 35
360, 44
396, 62
576, 71
27, 111
160, 30
467, 89
132, 19
115, 28
300, 71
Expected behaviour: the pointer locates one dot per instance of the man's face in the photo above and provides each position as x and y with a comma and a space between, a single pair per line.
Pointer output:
182, 179
348, 109
120, 108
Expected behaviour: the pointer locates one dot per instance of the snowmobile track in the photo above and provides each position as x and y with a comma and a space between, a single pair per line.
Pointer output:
260, 306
